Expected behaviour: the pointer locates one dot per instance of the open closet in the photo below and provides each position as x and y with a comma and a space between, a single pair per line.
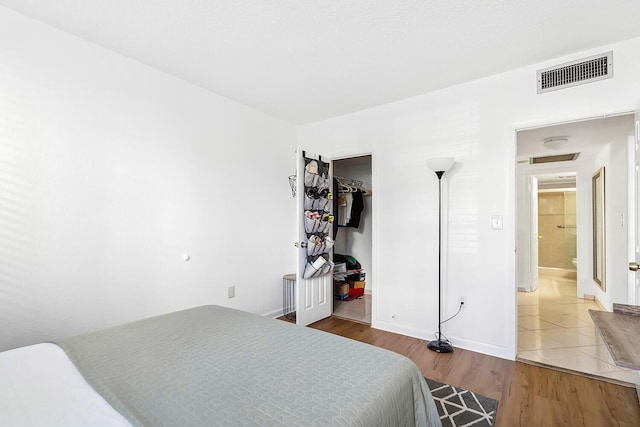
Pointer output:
353, 196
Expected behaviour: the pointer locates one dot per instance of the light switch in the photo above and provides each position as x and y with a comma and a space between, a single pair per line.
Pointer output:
496, 222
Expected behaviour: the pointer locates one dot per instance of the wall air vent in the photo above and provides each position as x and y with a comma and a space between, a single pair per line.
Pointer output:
552, 159
585, 70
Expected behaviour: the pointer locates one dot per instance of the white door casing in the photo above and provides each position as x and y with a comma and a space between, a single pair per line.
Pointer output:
533, 224
633, 291
314, 297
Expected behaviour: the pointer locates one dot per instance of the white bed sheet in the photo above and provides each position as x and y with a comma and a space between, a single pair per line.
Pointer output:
40, 386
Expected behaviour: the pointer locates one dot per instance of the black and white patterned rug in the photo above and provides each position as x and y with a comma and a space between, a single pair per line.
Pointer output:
458, 407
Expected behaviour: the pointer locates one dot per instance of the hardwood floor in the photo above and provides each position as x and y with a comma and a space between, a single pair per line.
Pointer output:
528, 395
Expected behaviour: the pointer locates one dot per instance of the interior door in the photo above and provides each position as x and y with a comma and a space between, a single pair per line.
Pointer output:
314, 295
634, 217
533, 223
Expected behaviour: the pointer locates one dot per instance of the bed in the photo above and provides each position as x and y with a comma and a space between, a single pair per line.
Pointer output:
210, 366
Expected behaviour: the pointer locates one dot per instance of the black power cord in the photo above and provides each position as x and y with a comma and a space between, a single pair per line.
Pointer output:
458, 312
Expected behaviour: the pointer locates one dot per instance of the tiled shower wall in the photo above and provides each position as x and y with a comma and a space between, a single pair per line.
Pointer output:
557, 229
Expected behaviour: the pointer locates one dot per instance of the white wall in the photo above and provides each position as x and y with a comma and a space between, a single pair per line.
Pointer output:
475, 123
111, 171
614, 160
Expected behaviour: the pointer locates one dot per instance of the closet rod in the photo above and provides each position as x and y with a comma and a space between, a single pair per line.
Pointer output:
350, 181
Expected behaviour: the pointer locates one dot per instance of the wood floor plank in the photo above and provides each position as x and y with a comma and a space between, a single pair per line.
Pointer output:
528, 395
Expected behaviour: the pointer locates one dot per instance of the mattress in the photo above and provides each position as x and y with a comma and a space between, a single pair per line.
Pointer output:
39, 386
212, 365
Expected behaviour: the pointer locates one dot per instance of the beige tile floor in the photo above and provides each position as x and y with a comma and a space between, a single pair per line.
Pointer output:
554, 328
358, 309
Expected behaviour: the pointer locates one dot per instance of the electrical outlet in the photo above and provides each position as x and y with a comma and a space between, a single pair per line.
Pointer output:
231, 291
463, 300
496, 222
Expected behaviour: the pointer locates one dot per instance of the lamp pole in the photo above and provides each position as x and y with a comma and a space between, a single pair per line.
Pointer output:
440, 166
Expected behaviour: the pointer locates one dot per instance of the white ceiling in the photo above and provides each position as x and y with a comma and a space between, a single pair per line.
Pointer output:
305, 60
586, 136
582, 136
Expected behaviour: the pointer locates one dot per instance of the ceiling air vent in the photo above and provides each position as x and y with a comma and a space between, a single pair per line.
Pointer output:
585, 70
551, 159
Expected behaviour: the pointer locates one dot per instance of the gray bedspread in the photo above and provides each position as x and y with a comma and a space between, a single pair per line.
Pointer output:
215, 366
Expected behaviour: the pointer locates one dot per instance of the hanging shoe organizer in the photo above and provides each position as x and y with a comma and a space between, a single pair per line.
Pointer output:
318, 219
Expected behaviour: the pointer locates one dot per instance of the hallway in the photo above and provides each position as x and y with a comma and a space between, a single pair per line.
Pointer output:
555, 328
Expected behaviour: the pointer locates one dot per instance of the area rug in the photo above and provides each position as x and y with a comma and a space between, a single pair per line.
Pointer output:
458, 407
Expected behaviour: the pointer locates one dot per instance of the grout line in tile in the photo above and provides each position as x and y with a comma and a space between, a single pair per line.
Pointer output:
554, 303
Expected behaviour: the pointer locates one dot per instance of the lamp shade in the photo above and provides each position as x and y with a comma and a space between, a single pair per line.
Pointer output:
440, 164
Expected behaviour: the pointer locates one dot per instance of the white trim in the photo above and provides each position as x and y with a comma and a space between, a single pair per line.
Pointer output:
542, 124
503, 352
274, 314
514, 128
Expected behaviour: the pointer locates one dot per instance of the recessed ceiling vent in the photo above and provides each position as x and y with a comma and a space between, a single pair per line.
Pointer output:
585, 70
552, 159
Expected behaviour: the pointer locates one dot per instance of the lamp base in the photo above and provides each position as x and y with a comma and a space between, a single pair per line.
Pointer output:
440, 346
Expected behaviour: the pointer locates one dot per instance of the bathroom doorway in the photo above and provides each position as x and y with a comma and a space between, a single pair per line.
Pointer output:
554, 325
557, 231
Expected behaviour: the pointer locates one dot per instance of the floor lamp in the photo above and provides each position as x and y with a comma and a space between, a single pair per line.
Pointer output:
440, 165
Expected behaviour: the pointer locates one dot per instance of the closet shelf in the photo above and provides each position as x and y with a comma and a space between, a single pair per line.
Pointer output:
350, 185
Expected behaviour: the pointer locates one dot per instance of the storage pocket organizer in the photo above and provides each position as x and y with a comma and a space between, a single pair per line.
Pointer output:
322, 204
310, 224
308, 202
317, 202
324, 183
325, 225
311, 180
314, 222
317, 267
317, 245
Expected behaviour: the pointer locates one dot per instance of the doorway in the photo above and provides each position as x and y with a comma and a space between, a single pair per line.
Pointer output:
354, 239
557, 230
554, 327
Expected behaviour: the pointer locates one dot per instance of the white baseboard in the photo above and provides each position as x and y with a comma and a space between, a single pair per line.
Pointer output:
275, 314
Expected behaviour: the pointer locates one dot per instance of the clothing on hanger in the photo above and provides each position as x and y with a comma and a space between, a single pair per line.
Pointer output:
356, 210
344, 212
336, 186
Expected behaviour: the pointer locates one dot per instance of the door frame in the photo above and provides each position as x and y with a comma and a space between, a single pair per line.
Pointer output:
632, 212
531, 272
633, 216
374, 223
512, 131
534, 262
